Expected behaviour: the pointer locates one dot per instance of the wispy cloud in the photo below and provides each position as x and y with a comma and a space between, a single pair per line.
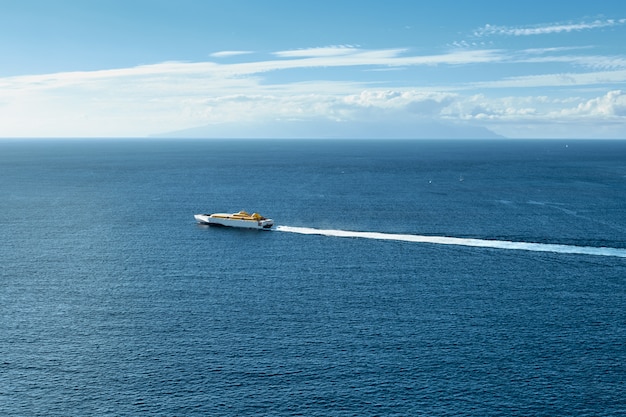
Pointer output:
588, 61
550, 28
195, 76
567, 55
220, 75
317, 58
226, 54
327, 51
569, 79
169, 96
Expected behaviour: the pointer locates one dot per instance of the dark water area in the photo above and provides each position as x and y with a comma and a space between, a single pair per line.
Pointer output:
113, 301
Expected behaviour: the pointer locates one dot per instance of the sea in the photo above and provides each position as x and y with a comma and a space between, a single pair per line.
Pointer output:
401, 278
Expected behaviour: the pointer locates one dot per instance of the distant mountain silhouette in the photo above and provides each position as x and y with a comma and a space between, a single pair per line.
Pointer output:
323, 128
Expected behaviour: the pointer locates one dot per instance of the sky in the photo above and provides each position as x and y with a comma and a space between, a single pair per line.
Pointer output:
346, 68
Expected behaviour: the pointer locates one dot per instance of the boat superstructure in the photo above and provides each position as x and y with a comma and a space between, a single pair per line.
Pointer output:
241, 219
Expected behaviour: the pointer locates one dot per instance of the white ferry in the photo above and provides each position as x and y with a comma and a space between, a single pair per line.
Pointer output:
241, 219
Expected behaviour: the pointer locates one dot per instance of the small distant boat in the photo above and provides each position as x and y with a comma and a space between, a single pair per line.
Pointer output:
242, 219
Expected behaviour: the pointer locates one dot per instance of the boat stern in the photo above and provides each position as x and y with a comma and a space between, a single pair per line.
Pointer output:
266, 223
202, 218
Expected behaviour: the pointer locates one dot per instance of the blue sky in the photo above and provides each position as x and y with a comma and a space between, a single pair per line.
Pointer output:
244, 68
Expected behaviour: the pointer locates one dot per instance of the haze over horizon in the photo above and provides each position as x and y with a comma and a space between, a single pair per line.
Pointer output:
446, 69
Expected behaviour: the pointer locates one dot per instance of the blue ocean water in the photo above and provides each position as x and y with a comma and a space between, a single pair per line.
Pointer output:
113, 301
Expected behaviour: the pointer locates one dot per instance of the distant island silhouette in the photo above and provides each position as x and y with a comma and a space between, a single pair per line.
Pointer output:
328, 129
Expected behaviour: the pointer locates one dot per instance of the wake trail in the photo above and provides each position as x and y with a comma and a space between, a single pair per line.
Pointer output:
445, 240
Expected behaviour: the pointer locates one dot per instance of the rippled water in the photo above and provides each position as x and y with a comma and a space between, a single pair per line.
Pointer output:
114, 302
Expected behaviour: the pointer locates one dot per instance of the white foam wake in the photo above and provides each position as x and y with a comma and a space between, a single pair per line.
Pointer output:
445, 240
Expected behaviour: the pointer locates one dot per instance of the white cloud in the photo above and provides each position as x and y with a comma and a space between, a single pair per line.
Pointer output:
551, 55
227, 54
182, 73
603, 116
406, 102
556, 80
319, 52
611, 105
489, 30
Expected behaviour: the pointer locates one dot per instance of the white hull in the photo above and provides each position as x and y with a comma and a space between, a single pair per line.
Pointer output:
211, 220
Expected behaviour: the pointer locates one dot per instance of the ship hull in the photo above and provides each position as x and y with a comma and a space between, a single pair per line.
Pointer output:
208, 219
